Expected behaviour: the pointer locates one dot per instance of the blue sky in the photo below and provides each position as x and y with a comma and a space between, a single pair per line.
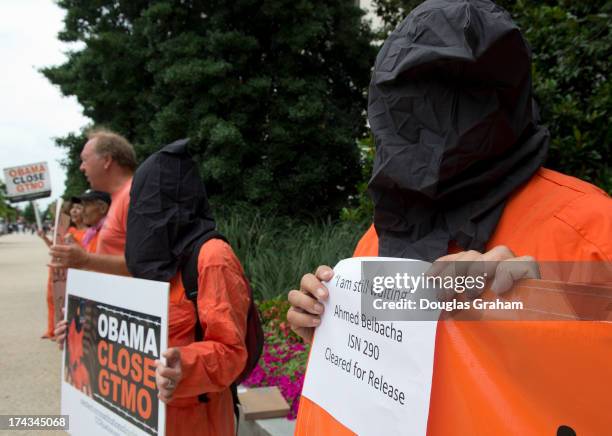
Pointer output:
32, 110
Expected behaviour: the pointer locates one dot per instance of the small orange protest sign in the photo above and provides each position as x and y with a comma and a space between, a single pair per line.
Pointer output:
27, 182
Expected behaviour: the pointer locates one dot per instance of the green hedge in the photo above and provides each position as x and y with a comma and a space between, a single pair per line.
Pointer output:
277, 251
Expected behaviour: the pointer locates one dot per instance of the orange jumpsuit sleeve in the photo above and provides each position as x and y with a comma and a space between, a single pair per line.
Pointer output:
368, 244
213, 364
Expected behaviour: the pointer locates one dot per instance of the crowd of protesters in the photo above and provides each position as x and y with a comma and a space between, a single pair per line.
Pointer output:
207, 350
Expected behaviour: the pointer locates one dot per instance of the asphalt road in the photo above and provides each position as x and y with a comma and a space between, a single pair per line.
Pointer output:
29, 366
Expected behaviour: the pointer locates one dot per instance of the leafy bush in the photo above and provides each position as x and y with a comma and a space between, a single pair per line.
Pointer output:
361, 208
572, 45
277, 251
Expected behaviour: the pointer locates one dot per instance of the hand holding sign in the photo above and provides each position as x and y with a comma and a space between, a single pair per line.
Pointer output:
68, 256
500, 263
60, 333
41, 234
168, 376
305, 311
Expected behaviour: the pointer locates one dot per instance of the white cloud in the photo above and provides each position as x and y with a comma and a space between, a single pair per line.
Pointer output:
32, 110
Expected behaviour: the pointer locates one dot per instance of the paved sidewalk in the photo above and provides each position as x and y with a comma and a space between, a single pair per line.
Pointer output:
29, 366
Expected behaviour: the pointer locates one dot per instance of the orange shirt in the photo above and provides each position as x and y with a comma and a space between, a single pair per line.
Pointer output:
111, 239
92, 246
90, 240
211, 365
77, 234
527, 378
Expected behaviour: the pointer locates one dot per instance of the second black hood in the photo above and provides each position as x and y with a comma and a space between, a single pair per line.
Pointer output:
168, 213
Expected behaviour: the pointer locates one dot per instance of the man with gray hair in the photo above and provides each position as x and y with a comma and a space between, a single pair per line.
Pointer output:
108, 161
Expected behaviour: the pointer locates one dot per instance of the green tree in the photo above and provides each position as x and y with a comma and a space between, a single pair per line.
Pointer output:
6, 210
392, 12
271, 92
572, 51
28, 213
572, 45
76, 183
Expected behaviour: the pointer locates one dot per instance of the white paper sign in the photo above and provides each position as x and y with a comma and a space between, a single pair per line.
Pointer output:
27, 182
374, 377
117, 327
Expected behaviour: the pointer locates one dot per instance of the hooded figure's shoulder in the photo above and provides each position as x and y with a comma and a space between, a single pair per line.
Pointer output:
216, 252
551, 217
557, 217
568, 182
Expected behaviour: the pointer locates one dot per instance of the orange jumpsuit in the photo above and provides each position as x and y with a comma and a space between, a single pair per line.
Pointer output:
50, 307
527, 378
209, 366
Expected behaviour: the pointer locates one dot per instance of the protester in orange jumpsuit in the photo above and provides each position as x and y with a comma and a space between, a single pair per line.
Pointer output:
170, 221
69, 212
459, 167
73, 235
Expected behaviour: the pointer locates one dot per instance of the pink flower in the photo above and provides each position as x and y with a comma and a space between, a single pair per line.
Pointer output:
283, 359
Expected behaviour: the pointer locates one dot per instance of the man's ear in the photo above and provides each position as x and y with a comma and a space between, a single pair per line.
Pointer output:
108, 160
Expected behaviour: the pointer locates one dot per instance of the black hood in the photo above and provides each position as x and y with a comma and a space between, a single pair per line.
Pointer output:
168, 213
455, 126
